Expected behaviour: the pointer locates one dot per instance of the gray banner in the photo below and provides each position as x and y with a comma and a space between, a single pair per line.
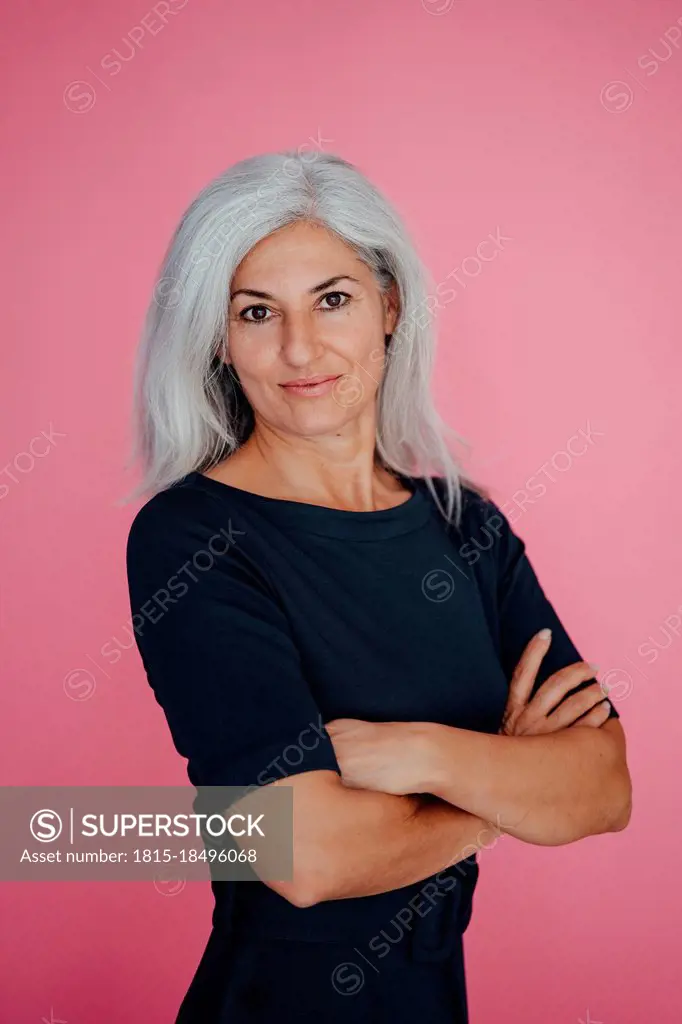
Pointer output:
146, 832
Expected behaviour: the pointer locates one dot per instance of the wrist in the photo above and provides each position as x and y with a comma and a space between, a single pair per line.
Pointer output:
423, 743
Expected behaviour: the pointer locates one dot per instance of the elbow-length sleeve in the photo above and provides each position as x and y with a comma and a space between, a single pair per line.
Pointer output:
217, 650
522, 606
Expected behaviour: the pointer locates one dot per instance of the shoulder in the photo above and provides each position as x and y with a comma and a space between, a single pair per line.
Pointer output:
476, 507
484, 534
175, 511
183, 522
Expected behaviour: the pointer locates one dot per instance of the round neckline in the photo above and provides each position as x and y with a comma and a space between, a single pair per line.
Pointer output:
323, 520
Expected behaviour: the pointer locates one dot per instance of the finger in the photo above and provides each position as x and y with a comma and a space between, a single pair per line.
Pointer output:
578, 704
596, 717
586, 708
339, 724
527, 668
552, 692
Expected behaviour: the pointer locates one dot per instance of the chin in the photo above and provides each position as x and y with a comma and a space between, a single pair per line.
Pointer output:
312, 422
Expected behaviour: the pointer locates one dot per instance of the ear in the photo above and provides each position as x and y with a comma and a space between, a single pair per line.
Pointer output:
391, 308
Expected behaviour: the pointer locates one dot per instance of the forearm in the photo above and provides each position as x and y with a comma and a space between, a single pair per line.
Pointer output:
372, 842
544, 789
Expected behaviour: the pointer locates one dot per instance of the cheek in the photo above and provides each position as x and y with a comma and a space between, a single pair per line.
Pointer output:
254, 357
376, 361
370, 364
361, 344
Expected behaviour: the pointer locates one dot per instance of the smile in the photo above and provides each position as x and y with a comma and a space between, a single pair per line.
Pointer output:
319, 387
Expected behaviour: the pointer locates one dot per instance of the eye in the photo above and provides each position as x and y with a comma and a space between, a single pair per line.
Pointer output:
256, 320
336, 295
337, 300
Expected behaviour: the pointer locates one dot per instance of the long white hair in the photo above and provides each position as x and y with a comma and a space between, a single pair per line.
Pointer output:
189, 411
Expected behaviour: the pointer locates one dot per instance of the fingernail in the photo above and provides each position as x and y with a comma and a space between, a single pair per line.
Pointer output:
592, 665
545, 634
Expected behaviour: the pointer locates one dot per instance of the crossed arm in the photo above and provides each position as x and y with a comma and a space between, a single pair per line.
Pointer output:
546, 790
553, 775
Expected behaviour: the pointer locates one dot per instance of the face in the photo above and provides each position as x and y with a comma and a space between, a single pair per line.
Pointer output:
304, 307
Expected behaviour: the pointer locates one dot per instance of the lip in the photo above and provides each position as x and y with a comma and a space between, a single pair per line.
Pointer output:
311, 385
307, 381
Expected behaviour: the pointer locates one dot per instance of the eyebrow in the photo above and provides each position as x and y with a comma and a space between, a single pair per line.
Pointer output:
311, 291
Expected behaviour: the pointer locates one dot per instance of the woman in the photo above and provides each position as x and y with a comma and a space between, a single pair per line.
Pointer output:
370, 634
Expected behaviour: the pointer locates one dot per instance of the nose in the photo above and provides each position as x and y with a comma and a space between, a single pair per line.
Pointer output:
301, 343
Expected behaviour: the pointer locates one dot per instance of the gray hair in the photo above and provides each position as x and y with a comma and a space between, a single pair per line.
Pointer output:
189, 412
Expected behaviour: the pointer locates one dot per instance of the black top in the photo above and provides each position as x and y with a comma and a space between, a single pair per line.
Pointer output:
258, 619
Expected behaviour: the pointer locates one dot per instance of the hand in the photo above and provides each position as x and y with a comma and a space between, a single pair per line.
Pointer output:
524, 718
383, 756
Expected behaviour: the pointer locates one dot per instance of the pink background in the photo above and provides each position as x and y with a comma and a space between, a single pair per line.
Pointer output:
550, 122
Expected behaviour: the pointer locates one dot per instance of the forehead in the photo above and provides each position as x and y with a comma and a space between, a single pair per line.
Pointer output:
304, 250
